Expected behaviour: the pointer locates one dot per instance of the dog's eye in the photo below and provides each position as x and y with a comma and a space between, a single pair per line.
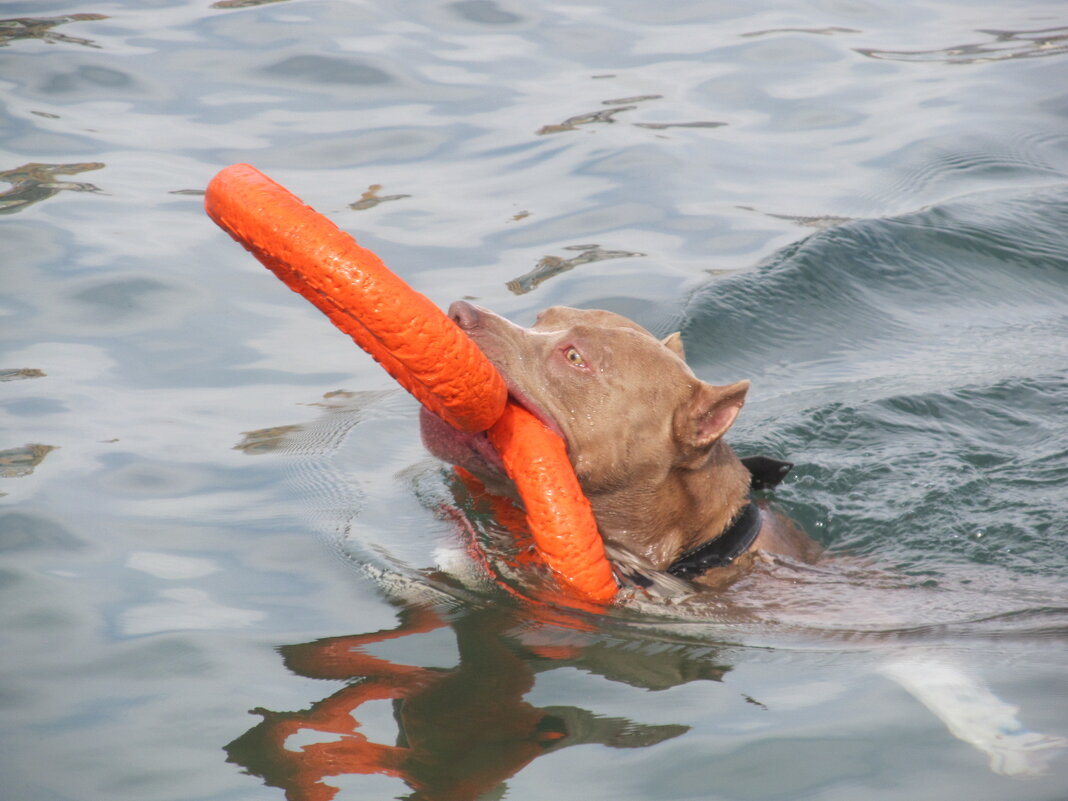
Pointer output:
573, 356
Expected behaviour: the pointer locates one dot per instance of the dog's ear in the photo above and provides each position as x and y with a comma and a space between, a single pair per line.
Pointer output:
711, 410
673, 342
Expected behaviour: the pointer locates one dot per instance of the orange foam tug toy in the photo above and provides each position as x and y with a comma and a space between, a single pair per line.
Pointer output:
425, 352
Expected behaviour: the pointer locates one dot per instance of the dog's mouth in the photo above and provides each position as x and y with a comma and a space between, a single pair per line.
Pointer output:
521, 399
474, 452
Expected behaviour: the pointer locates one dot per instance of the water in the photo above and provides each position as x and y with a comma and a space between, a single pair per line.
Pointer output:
213, 500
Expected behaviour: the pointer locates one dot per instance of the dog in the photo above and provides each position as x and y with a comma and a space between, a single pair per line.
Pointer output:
671, 498
645, 437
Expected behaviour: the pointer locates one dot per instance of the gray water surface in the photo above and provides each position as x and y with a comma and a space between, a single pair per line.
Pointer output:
213, 502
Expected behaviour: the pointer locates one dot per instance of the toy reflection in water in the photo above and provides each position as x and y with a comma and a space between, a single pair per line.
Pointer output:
461, 732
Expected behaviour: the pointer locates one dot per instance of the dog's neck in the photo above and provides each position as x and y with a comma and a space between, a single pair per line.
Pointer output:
664, 517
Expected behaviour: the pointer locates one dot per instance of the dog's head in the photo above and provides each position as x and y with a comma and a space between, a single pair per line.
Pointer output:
629, 408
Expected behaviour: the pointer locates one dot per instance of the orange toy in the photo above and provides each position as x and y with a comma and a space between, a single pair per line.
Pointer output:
424, 351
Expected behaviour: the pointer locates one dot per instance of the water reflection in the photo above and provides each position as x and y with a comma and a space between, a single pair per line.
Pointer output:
20, 373
371, 198
660, 126
41, 28
1002, 45
266, 440
35, 182
623, 101
460, 732
619, 105
830, 30
550, 266
243, 3
342, 409
606, 115
820, 222
21, 462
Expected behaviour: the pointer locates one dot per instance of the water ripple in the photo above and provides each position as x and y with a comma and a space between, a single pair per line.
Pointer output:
33, 182
40, 28
1001, 46
550, 266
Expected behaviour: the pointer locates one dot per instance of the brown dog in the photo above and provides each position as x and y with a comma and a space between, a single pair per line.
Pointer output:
644, 435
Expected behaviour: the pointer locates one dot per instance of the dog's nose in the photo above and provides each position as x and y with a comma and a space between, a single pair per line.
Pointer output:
465, 315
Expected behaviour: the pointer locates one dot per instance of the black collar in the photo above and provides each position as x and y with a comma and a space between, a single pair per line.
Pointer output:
724, 549
736, 539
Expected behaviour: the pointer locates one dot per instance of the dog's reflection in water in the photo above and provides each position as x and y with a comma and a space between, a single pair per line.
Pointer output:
460, 732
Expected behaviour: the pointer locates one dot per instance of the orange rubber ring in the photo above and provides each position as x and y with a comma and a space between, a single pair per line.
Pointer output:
404, 331
424, 351
559, 514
